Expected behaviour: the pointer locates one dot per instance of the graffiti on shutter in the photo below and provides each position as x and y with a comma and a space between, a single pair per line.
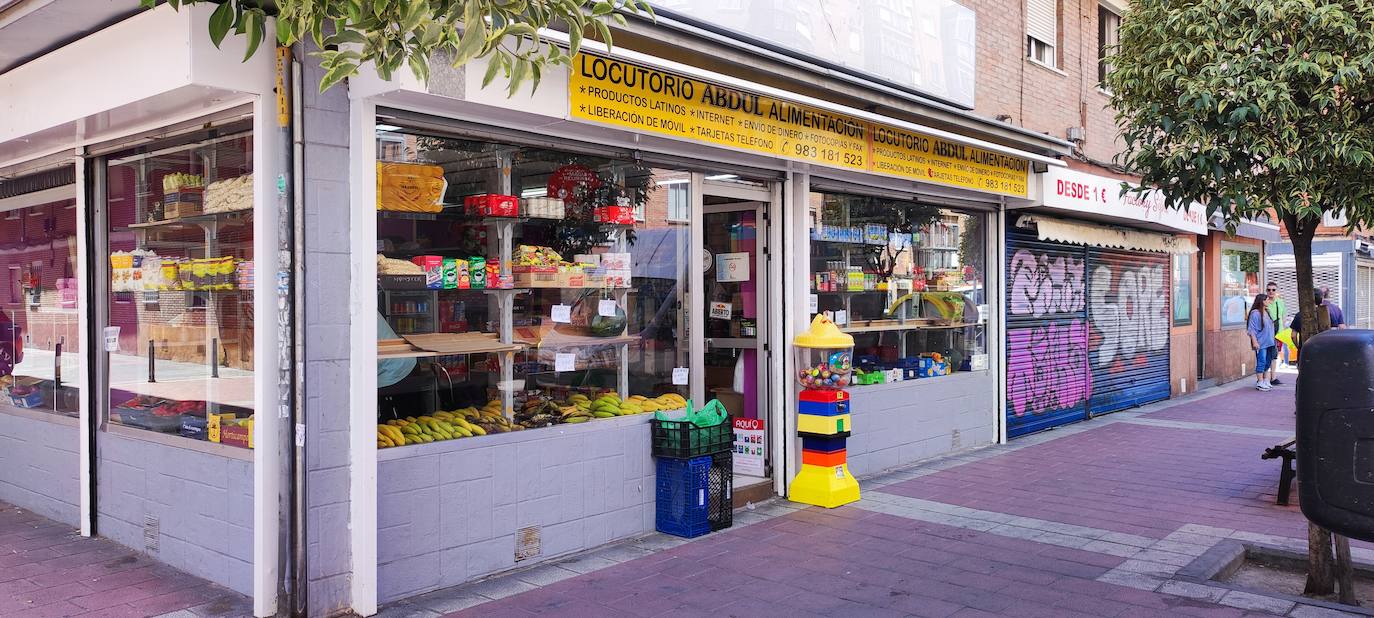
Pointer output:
1128, 311
1048, 382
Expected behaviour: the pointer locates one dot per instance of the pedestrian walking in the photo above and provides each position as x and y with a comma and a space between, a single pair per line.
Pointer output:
1277, 310
1261, 330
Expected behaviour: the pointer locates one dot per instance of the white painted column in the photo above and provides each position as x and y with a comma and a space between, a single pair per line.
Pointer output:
269, 427
362, 311
83, 343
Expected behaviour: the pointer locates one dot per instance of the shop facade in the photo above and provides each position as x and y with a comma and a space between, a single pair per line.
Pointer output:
649, 245
1098, 294
529, 278
132, 220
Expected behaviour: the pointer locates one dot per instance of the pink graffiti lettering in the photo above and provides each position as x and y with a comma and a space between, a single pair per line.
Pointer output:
1047, 366
1045, 284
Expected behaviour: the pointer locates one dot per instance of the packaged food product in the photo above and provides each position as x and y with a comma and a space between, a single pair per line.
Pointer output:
433, 266
450, 269
494, 274
620, 215
410, 187
477, 270
492, 205
464, 276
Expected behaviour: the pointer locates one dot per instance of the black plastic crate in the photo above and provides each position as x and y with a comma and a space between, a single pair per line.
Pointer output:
683, 439
720, 502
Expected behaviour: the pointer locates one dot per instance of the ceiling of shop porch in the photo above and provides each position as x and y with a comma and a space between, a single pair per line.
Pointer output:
31, 28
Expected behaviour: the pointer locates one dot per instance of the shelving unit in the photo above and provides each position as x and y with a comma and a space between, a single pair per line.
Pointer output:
908, 328
491, 172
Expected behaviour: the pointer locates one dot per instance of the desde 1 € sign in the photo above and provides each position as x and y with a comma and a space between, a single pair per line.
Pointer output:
623, 94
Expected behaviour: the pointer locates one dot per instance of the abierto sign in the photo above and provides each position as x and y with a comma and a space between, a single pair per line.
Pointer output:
1066, 189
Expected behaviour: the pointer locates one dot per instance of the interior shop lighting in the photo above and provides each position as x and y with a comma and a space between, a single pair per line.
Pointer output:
722, 177
535, 192
672, 181
387, 127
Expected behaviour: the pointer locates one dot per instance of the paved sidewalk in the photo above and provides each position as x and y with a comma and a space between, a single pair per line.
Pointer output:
48, 569
1112, 517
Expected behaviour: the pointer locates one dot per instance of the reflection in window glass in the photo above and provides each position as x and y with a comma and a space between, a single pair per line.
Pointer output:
1239, 284
40, 308
907, 280
593, 281
180, 298
1183, 289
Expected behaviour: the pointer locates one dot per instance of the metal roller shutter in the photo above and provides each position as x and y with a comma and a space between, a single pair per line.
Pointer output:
1048, 381
1129, 320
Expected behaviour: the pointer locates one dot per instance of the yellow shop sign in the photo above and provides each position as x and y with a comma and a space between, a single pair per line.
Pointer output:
628, 95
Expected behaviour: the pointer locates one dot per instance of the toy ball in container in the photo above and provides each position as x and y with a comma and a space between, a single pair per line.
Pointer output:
825, 356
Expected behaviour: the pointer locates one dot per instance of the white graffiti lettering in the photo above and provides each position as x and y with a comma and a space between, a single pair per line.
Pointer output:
1131, 316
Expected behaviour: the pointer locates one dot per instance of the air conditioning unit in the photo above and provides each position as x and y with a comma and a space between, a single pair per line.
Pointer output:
1076, 134
1362, 247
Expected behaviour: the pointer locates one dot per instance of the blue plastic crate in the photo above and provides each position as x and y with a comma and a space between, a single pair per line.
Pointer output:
693, 496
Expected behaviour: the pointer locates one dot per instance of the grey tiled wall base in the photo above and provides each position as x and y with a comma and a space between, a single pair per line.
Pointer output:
448, 512
203, 505
39, 466
903, 423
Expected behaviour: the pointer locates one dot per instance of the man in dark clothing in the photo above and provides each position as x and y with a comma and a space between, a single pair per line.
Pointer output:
1324, 320
1337, 316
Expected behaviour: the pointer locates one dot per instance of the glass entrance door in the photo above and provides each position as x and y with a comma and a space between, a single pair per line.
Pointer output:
734, 301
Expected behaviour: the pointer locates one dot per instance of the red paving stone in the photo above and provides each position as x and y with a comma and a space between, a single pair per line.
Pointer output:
1245, 407
1134, 478
47, 569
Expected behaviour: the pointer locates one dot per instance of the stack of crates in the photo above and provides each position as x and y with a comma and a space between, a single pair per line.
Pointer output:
695, 470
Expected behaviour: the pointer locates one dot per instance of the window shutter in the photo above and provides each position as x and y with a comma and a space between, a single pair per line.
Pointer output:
1042, 20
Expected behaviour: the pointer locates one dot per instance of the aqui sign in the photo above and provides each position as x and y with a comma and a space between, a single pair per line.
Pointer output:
623, 94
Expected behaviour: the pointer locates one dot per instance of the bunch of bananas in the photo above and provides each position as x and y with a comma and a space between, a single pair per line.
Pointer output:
425, 429
489, 417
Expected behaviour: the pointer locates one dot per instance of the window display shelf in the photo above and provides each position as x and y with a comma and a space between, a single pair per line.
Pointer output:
233, 216
904, 327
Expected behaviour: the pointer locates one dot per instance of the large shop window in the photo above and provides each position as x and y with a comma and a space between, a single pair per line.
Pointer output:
1239, 284
521, 288
180, 297
907, 280
39, 304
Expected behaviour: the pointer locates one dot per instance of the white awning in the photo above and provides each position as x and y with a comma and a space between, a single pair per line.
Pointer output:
1088, 234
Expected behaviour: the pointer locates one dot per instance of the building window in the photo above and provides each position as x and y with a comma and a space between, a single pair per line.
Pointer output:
679, 204
907, 279
1108, 36
1240, 275
1042, 30
1183, 289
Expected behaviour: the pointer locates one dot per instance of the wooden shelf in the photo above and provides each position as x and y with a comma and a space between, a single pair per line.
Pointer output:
446, 344
214, 217
904, 327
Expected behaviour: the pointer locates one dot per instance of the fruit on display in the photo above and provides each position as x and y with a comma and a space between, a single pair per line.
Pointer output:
537, 411
608, 326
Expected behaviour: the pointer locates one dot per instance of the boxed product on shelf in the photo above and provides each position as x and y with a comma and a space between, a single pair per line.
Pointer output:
536, 279
619, 215
463, 274
410, 187
183, 203
492, 205
875, 234
618, 278
615, 261
433, 267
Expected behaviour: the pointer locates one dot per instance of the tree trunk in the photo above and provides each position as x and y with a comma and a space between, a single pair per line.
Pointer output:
1320, 573
1345, 572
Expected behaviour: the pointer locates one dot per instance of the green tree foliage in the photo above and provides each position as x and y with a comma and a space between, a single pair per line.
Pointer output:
1253, 106
391, 34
